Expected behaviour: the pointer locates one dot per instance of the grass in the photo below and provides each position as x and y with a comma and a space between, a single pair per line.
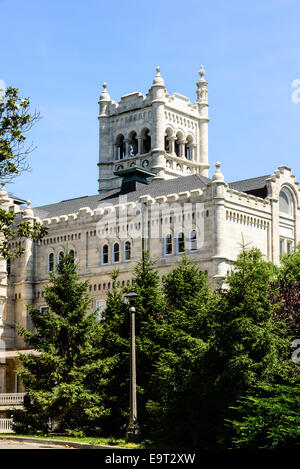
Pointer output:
90, 440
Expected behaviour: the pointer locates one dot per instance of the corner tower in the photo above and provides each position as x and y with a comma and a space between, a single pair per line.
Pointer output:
162, 133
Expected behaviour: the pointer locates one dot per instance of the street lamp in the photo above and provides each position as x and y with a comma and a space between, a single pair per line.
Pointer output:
133, 429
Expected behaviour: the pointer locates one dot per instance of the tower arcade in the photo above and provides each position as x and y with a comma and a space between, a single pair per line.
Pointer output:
165, 134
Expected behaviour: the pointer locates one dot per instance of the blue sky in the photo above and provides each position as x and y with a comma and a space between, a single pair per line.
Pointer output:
60, 52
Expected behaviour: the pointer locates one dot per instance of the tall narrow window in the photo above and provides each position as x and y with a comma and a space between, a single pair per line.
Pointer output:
146, 141
133, 144
116, 252
281, 247
193, 240
105, 254
60, 256
180, 242
127, 251
51, 262
120, 147
72, 254
168, 244
8, 266
289, 246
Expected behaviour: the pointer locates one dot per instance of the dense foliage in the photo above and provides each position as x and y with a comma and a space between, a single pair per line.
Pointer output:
15, 120
214, 367
62, 382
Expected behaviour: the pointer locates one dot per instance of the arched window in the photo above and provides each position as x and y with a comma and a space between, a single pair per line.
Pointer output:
146, 147
285, 202
120, 147
180, 242
168, 134
133, 144
72, 254
188, 148
116, 252
193, 240
168, 244
179, 144
127, 251
104, 254
60, 256
51, 262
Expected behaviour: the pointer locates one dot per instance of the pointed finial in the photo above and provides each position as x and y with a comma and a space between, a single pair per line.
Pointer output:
158, 70
218, 176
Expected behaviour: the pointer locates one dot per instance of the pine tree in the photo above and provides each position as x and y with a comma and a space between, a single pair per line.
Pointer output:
61, 382
177, 374
247, 347
268, 418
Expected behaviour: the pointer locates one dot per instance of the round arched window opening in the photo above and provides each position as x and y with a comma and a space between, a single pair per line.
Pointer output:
285, 202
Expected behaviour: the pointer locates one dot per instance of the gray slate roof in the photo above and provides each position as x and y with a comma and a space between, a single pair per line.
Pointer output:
156, 188
246, 185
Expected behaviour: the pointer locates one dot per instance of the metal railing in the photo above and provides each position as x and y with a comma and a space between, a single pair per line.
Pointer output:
6, 425
12, 398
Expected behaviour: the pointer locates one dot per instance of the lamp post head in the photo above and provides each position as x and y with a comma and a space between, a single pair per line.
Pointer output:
130, 298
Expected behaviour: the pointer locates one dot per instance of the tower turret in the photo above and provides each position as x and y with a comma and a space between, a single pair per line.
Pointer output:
202, 104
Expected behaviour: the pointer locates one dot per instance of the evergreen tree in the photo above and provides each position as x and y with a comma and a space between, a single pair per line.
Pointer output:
61, 383
184, 327
268, 418
247, 346
115, 345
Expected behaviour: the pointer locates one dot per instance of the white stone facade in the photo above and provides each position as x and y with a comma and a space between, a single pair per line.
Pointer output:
162, 133
208, 218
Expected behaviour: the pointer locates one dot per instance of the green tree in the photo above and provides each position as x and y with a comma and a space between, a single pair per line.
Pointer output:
268, 418
290, 265
176, 411
16, 120
248, 347
115, 345
62, 382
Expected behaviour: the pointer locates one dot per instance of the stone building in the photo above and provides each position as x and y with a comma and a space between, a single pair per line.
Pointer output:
154, 193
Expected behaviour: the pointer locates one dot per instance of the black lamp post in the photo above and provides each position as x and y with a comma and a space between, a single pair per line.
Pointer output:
133, 430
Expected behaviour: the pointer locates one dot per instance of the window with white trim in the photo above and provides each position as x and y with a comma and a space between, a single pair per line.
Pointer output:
51, 262
285, 202
168, 244
127, 251
193, 240
116, 252
180, 243
104, 254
